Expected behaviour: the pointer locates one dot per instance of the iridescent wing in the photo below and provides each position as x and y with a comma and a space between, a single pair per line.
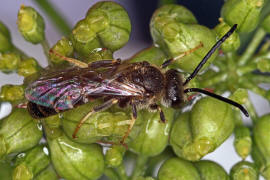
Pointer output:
64, 89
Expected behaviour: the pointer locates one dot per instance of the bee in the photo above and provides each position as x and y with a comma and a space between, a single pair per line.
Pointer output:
139, 85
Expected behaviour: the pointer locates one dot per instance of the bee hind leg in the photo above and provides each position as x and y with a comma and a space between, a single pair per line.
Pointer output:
70, 60
134, 117
101, 107
169, 61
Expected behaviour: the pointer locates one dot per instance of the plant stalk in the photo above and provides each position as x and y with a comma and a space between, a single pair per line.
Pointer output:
140, 167
252, 47
58, 20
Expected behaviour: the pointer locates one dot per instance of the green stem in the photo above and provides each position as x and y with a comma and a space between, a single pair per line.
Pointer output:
258, 37
54, 15
221, 64
218, 78
46, 48
258, 78
111, 174
255, 88
246, 69
140, 167
262, 56
230, 59
121, 171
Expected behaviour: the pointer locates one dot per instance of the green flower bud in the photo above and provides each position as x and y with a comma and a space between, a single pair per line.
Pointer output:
244, 170
173, 13
180, 142
118, 23
177, 38
47, 174
202, 130
51, 125
106, 25
144, 178
154, 162
31, 163
74, 160
9, 62
18, 132
104, 126
5, 170
5, 39
84, 38
12, 93
98, 54
242, 141
4, 30
63, 47
240, 96
153, 55
176, 168
266, 23
31, 24
209, 170
263, 65
5, 43
245, 13
153, 138
114, 156
260, 161
28, 67
233, 42
261, 132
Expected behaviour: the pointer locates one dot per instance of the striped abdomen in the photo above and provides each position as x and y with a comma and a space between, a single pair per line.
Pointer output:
38, 111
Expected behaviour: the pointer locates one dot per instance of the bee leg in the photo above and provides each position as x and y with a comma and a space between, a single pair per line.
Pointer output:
161, 113
134, 117
70, 60
21, 105
105, 63
168, 62
101, 107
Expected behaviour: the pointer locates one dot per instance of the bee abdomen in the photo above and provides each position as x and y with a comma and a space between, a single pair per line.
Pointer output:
38, 111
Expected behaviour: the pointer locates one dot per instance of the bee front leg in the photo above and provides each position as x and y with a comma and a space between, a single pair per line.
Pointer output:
134, 117
105, 63
168, 62
161, 113
70, 60
101, 107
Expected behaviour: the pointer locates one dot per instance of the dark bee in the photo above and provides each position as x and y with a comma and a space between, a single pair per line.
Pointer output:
139, 85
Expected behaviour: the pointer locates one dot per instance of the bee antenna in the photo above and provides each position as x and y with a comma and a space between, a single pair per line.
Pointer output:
209, 54
226, 100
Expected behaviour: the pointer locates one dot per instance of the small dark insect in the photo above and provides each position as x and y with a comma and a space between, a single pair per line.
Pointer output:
139, 85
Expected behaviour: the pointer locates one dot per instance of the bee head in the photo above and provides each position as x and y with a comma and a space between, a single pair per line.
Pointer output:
173, 96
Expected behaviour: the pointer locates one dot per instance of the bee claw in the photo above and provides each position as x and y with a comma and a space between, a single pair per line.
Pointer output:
124, 144
74, 136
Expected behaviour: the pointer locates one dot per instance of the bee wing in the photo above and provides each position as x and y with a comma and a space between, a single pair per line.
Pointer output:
55, 93
115, 88
63, 90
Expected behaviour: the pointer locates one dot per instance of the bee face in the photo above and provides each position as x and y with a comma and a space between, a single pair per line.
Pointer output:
174, 96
